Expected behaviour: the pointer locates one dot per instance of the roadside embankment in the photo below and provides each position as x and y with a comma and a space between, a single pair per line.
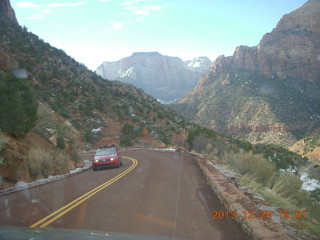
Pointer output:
254, 222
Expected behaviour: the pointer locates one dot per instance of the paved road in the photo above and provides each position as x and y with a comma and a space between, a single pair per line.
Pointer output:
165, 194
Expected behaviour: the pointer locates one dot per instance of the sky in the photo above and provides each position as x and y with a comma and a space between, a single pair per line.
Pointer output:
94, 31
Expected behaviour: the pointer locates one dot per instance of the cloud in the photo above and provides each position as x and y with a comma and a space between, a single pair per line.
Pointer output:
139, 9
117, 25
143, 10
132, 2
35, 17
46, 9
66, 4
28, 5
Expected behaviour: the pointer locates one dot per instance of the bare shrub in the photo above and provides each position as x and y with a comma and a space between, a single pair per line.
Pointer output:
61, 159
209, 148
301, 198
254, 165
200, 143
41, 163
287, 185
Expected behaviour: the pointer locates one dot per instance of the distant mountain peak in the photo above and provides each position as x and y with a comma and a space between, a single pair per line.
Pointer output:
164, 77
145, 54
290, 51
7, 12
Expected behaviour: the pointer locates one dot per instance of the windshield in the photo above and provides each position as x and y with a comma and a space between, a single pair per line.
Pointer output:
107, 151
166, 118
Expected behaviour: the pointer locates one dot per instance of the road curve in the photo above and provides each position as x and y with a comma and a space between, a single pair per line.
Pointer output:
165, 194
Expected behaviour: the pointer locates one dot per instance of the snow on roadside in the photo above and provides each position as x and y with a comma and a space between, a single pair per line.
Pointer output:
24, 185
171, 149
164, 149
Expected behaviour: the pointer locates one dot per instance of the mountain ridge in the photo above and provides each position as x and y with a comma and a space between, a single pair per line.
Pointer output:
164, 77
297, 56
268, 93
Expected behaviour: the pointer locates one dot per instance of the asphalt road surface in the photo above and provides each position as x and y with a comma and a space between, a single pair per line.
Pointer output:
153, 193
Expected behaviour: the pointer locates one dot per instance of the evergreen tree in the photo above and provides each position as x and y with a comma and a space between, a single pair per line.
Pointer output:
18, 106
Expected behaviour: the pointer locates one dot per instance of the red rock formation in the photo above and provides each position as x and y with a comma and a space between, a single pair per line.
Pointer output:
291, 50
6, 11
4, 60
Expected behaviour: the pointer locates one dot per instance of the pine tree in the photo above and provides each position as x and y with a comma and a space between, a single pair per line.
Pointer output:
18, 106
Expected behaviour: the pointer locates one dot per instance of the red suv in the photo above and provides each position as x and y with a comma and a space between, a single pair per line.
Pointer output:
106, 157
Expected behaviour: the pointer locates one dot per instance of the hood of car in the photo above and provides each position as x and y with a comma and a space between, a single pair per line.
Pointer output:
19, 233
105, 157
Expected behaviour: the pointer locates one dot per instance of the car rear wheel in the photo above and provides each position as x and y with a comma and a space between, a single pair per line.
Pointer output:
94, 169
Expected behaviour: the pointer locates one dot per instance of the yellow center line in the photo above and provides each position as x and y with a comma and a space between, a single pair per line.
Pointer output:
62, 211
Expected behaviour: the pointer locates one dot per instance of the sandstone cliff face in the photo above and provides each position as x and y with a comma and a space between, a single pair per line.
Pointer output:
164, 77
7, 12
291, 50
267, 93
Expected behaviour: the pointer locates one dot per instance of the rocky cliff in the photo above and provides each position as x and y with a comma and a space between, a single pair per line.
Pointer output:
267, 93
164, 77
7, 12
291, 50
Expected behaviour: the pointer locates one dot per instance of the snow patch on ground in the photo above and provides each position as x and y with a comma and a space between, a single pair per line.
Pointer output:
95, 130
24, 185
164, 149
309, 184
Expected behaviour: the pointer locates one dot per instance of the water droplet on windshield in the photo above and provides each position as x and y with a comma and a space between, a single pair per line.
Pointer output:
20, 73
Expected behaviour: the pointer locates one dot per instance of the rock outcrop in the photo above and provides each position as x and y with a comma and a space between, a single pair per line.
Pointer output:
164, 77
7, 12
291, 50
267, 93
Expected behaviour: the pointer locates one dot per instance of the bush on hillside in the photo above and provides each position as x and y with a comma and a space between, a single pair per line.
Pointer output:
41, 163
60, 141
287, 184
18, 108
254, 165
280, 156
129, 134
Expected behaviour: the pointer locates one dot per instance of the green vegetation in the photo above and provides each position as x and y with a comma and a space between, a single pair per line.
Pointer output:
280, 189
60, 141
279, 155
129, 134
201, 139
3, 143
18, 109
255, 165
